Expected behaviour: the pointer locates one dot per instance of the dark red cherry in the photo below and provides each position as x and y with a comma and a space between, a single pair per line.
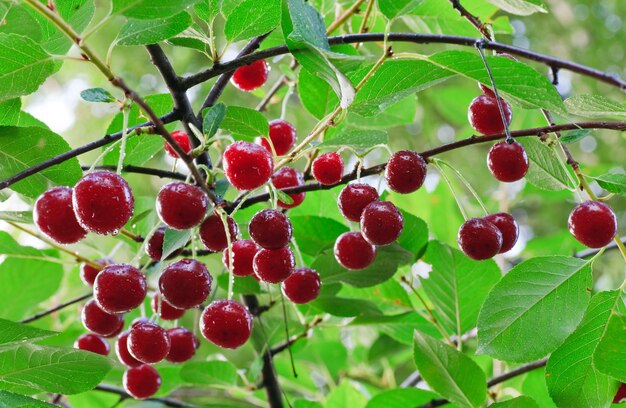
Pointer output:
508, 228
593, 224
328, 168
286, 177
88, 273
183, 345
185, 283
354, 198
247, 165
148, 342
94, 343
103, 202
213, 233
352, 251
116, 332
154, 247
405, 172
250, 77
164, 310
243, 253
270, 229
182, 140
141, 382
507, 161
273, 265
100, 322
302, 286
282, 135
181, 206
226, 323
54, 215
486, 90
121, 350
119, 288
381, 223
484, 115
620, 395
479, 239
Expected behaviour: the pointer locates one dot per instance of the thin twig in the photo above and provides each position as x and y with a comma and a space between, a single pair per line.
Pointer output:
56, 308
142, 170
169, 402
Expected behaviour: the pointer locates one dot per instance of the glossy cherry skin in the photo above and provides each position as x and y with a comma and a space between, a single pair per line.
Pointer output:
183, 345
100, 322
119, 288
185, 284
247, 165
94, 343
226, 323
302, 286
88, 273
620, 395
484, 115
508, 228
213, 233
381, 223
593, 224
182, 140
121, 350
250, 77
479, 239
103, 202
244, 251
282, 135
148, 342
405, 172
353, 252
507, 162
54, 215
141, 382
327, 168
181, 206
286, 177
154, 247
270, 229
164, 310
354, 198
273, 265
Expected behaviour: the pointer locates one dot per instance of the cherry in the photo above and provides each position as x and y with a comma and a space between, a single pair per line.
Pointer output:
183, 345
100, 322
508, 228
165, 311
250, 77
121, 349
148, 342
88, 273
484, 115
213, 233
352, 251
593, 224
479, 239
226, 323
328, 168
181, 206
243, 253
507, 161
103, 202
354, 198
181, 140
405, 172
141, 382
270, 229
247, 165
54, 215
286, 177
486, 90
282, 136
94, 343
119, 288
185, 284
381, 223
620, 395
302, 286
273, 265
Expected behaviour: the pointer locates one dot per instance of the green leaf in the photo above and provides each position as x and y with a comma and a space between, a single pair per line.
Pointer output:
401, 398
520, 7
519, 402
345, 395
592, 106
283, 197
450, 373
143, 32
545, 170
245, 123
97, 95
24, 217
174, 240
207, 10
19, 20
213, 118
209, 373
13, 334
573, 136
150, 9
527, 300
251, 18
414, 237
613, 182
315, 94
11, 115
246, 285
400, 114
395, 8
315, 234
344, 307
610, 355
357, 139
10, 400
399, 327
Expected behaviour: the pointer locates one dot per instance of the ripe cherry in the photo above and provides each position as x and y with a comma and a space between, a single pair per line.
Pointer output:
148, 342
54, 215
94, 343
182, 140
381, 223
328, 168
100, 322
286, 177
181, 206
593, 224
479, 239
620, 395
121, 350
164, 310
141, 382
282, 136
352, 251
154, 247
273, 265
508, 228
119, 288
226, 323
247, 165
183, 345
405, 172
185, 284
484, 115
243, 253
250, 77
270, 229
88, 273
507, 161
103, 202
302, 286
213, 233
354, 198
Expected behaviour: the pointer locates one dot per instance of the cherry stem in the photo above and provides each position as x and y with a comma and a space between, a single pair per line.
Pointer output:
120, 161
293, 365
231, 257
465, 183
456, 197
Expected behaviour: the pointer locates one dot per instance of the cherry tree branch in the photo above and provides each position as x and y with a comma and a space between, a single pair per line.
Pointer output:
169, 402
142, 170
56, 308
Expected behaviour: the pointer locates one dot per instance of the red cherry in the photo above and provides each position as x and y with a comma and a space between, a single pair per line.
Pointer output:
328, 168
116, 332
182, 140
93, 343
100, 322
621, 394
484, 115
141, 382
405, 172
119, 288
148, 342
507, 161
302, 286
273, 265
250, 77
270, 229
181, 206
88, 273
352, 251
185, 283
213, 233
54, 215
282, 135
165, 311
286, 177
103, 202
508, 228
243, 253
479, 239
381, 223
247, 165
593, 224
354, 198
121, 349
183, 345
226, 323
154, 247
